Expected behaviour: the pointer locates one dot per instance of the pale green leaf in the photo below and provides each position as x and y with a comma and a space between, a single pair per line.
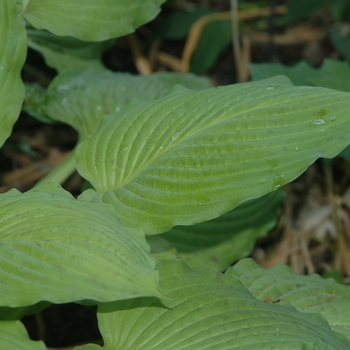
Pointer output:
193, 155
208, 310
90, 20
310, 294
228, 238
80, 98
13, 336
67, 52
13, 47
57, 249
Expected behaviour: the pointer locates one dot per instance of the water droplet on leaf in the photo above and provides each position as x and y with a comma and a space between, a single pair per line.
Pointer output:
279, 181
175, 136
203, 200
318, 122
63, 87
65, 102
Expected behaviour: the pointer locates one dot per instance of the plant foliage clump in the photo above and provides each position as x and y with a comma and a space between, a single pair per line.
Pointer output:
183, 178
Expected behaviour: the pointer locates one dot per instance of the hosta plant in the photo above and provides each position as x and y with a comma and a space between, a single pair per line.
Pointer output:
183, 178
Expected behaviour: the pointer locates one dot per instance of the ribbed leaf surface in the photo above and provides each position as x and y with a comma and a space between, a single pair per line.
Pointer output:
209, 310
80, 98
13, 336
13, 47
191, 156
222, 241
311, 294
54, 248
90, 20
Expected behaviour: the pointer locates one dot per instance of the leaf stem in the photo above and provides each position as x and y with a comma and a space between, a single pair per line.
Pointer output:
235, 42
62, 172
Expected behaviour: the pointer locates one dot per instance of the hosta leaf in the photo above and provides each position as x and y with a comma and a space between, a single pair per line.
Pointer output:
13, 47
297, 10
67, 52
193, 155
341, 41
90, 20
88, 347
222, 241
15, 337
299, 74
340, 9
57, 249
161, 248
217, 36
208, 310
176, 25
34, 103
311, 294
16, 313
333, 74
81, 98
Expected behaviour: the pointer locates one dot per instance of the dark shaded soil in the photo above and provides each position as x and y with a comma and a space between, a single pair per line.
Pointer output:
64, 325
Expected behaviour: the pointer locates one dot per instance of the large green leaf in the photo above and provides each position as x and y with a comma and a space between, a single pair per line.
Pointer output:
222, 241
80, 98
311, 294
57, 249
15, 337
90, 20
13, 47
193, 155
208, 310
67, 52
